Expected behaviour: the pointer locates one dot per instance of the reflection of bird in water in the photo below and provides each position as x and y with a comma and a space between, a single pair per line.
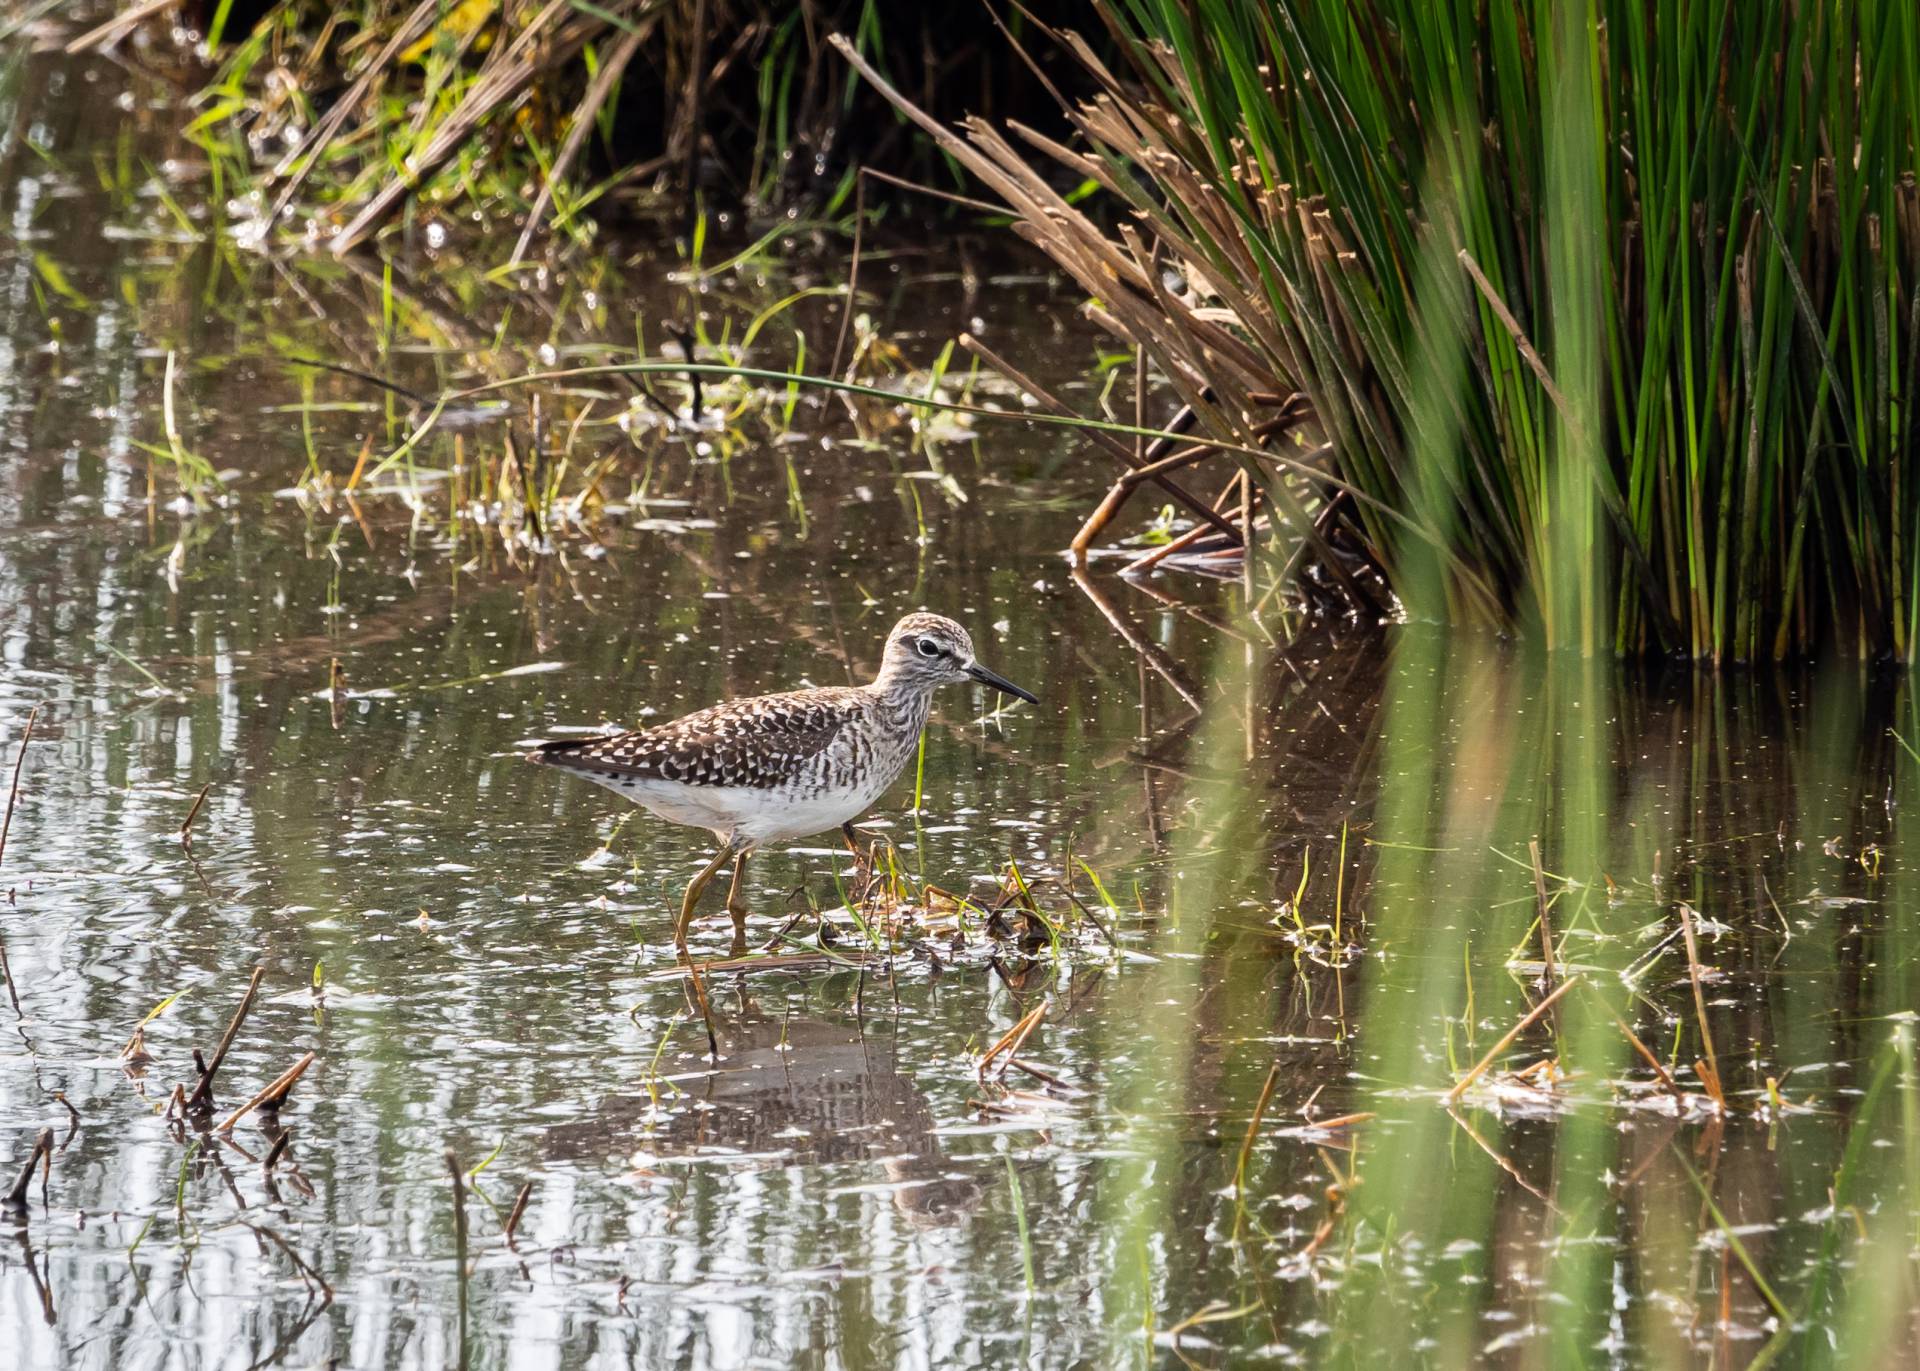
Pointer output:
778, 767
790, 1092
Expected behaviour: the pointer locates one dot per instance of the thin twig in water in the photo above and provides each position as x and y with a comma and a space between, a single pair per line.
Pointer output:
685, 339
6, 970
1711, 1076
16, 1198
272, 1095
13, 792
1010, 1041
202, 1096
1246, 1145
73, 1117
853, 272
300, 1265
1646, 1054
1540, 898
519, 1208
1533, 1016
414, 397
186, 829
460, 1241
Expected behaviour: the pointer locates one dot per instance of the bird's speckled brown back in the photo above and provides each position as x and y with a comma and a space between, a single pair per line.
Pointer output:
761, 743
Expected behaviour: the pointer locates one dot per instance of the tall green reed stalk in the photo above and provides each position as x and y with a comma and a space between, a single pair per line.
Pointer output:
1683, 243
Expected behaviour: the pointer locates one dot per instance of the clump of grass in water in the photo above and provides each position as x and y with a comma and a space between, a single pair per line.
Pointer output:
1673, 309
498, 112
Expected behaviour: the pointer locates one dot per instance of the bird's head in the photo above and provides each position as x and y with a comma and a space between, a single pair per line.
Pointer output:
927, 650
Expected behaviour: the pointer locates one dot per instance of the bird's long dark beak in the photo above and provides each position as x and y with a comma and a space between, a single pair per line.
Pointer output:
999, 682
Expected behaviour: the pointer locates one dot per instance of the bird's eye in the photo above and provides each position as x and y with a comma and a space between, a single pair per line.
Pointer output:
929, 648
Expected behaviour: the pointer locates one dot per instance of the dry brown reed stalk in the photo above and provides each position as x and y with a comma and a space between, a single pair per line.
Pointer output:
6, 972
459, 1241
1344, 1121
1010, 1041
1540, 898
273, 1095
306, 155
519, 1208
1142, 467
1646, 1054
119, 26
308, 1275
1215, 357
1708, 1070
16, 1197
202, 1096
853, 272
1532, 1017
1246, 1143
1044, 1077
581, 125
13, 791
552, 37
1501, 1160
186, 828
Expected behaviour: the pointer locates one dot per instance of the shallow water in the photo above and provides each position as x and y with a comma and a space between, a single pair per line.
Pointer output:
1311, 847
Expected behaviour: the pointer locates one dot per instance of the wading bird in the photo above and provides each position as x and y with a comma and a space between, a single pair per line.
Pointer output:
778, 767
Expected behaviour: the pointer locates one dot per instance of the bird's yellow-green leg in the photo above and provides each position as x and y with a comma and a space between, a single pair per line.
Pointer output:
737, 901
694, 887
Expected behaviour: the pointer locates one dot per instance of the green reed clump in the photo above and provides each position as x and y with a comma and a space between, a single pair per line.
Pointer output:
1608, 312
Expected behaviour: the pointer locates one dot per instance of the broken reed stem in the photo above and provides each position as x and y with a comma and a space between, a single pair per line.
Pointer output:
853, 272
202, 1096
272, 1095
1540, 898
1533, 1016
186, 829
277, 1151
1646, 1054
16, 1198
121, 24
1253, 1129
1010, 1041
1344, 1121
13, 792
519, 1208
1700, 1000
460, 1241
6, 970
1050, 401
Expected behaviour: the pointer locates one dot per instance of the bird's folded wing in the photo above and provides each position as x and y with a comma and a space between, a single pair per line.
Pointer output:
757, 743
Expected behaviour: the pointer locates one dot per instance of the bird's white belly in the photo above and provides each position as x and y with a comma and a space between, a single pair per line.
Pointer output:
750, 814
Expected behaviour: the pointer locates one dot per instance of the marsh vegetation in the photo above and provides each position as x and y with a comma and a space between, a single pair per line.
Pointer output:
1287, 988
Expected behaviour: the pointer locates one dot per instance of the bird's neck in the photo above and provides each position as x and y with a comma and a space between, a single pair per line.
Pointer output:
903, 698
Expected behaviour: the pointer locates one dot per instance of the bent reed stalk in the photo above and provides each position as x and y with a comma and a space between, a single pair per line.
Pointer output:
1620, 299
